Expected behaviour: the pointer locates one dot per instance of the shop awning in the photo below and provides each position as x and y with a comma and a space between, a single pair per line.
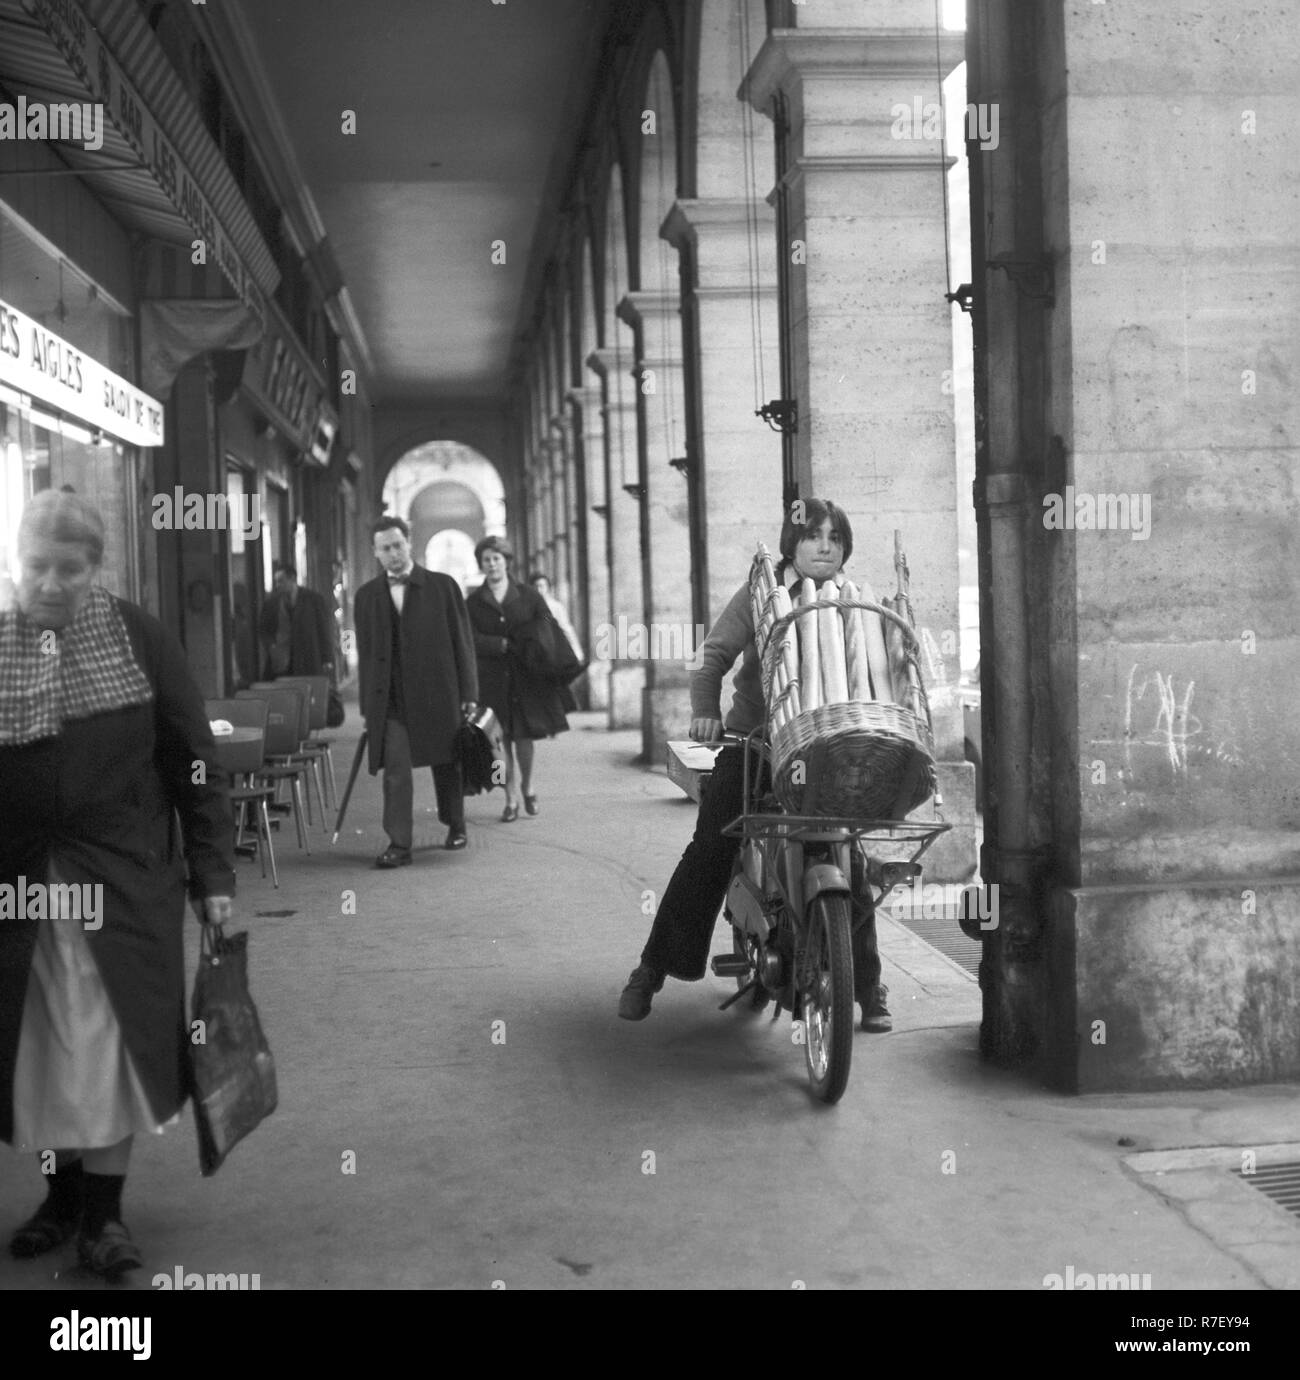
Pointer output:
158, 169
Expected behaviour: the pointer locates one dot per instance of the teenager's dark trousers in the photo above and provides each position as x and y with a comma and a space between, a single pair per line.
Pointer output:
683, 926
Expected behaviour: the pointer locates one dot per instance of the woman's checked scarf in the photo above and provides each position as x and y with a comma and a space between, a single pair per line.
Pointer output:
47, 678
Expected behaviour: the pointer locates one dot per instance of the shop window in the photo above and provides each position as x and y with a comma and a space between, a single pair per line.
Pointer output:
41, 448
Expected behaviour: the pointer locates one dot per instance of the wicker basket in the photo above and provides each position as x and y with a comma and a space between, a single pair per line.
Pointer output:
870, 760
861, 758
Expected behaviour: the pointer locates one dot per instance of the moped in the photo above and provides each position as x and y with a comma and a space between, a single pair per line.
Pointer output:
801, 886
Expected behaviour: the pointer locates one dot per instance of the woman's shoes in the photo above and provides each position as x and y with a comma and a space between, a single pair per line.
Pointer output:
510, 814
530, 804
109, 1253
43, 1231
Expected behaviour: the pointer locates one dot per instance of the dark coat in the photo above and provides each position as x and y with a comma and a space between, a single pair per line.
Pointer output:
438, 670
311, 633
105, 794
525, 706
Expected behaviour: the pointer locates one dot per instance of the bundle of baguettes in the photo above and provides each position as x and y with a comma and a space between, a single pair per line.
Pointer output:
834, 656
850, 731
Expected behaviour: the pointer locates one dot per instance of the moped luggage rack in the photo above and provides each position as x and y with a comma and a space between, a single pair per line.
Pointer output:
777, 824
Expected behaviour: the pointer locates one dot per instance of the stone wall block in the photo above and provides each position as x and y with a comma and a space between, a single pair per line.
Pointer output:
1177, 986
1175, 737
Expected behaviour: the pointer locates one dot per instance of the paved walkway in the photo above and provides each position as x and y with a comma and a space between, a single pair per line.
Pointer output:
454, 1043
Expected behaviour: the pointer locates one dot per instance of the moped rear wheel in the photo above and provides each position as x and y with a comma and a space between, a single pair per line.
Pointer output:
826, 991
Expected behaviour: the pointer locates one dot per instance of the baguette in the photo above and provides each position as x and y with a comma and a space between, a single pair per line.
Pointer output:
810, 662
855, 646
789, 654
830, 632
877, 656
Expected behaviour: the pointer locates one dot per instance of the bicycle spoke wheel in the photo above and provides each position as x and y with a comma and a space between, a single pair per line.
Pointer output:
826, 990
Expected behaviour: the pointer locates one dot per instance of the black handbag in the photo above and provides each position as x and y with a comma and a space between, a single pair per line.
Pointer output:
481, 750
233, 1072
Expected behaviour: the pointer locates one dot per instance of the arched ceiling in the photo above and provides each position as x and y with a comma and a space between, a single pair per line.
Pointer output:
462, 109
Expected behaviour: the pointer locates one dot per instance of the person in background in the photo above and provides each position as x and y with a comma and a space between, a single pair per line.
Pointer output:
245, 641
504, 613
418, 679
297, 629
561, 615
678, 946
101, 730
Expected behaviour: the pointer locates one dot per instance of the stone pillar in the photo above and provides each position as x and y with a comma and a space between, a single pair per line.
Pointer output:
1159, 536
667, 622
562, 478
592, 607
871, 333
623, 531
737, 457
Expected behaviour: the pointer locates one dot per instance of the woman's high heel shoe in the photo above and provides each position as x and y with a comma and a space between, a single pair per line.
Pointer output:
510, 814
530, 804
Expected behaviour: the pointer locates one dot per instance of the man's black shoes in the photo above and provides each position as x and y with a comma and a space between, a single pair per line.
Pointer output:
393, 856
456, 839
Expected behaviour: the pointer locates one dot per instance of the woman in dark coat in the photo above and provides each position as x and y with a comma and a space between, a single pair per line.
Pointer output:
505, 615
103, 741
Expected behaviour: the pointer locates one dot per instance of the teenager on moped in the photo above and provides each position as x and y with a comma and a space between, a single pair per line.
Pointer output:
815, 548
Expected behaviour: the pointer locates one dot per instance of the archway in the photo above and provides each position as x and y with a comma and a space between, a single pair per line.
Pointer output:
451, 496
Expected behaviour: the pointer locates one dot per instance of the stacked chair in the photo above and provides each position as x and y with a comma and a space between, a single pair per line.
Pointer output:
318, 688
287, 718
244, 761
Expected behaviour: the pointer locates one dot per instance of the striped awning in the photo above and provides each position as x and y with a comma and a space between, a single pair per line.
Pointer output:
33, 65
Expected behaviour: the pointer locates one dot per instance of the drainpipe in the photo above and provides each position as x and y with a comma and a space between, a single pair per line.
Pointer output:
1009, 338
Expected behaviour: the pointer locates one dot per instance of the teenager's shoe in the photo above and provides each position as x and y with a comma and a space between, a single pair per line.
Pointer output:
109, 1253
43, 1231
456, 839
530, 804
634, 1004
510, 814
393, 856
875, 1014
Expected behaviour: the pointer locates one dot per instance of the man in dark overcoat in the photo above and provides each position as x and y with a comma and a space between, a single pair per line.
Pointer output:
418, 680
297, 629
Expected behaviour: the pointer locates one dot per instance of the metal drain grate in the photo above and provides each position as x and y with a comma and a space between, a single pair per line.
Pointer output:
1281, 1182
944, 934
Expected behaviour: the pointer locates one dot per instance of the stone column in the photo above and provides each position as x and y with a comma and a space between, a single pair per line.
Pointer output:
870, 330
667, 621
1159, 540
623, 531
592, 609
737, 457
562, 560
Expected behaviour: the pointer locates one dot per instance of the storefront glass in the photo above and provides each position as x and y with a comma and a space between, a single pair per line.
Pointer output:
41, 448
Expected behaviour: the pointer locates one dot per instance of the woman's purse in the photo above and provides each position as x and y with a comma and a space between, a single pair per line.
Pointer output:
233, 1072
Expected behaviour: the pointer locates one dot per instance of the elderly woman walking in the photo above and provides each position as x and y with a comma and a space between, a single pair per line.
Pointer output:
103, 744
505, 615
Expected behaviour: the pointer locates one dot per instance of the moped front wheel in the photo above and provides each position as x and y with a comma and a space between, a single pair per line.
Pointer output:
826, 992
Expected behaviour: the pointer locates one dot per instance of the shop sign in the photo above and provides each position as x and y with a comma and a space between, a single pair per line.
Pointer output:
280, 379
87, 56
45, 366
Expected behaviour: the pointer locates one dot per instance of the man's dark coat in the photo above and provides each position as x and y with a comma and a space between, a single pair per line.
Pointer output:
105, 794
311, 633
438, 667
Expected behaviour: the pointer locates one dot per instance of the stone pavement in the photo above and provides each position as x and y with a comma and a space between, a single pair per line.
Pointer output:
460, 1105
